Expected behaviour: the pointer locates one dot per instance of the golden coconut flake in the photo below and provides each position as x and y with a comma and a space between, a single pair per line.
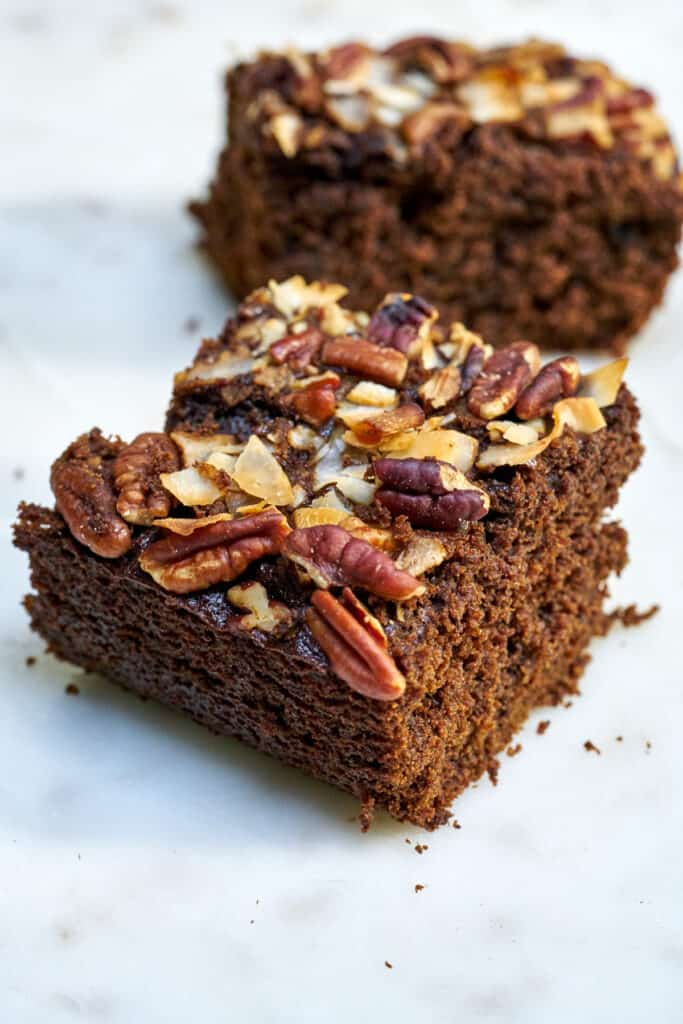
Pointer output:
603, 384
190, 487
258, 473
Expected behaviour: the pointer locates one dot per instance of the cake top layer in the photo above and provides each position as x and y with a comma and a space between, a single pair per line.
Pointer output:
423, 89
354, 448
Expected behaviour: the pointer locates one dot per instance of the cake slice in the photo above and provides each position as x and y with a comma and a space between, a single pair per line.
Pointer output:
526, 192
365, 544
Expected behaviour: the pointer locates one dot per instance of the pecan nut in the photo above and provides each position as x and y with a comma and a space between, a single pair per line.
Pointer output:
399, 320
316, 403
262, 613
384, 365
472, 367
217, 553
432, 118
503, 378
334, 558
445, 62
386, 424
429, 493
81, 483
141, 497
355, 652
298, 350
558, 379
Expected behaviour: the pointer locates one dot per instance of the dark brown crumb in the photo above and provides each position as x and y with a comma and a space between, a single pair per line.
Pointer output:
421, 847
387, 964
630, 616
192, 324
542, 727
418, 887
30, 661
590, 746
409, 842
568, 704
71, 689
620, 739
648, 745
367, 811
456, 823
513, 751
492, 771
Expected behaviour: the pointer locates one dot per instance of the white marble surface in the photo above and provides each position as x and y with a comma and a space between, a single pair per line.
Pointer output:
151, 873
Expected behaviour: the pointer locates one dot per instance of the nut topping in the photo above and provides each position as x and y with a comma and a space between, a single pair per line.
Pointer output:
136, 478
375, 429
354, 652
430, 494
316, 403
332, 557
384, 365
442, 387
263, 613
297, 350
85, 498
400, 321
216, 553
558, 379
505, 375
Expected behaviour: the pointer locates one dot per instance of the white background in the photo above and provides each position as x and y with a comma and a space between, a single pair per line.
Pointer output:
152, 873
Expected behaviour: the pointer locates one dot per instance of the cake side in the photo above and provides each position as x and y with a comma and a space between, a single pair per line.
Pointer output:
526, 193
370, 558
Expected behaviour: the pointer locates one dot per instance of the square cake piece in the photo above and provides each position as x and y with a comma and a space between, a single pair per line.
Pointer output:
525, 192
366, 545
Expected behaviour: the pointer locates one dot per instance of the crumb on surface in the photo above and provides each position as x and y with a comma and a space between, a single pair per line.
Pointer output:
71, 689
620, 739
30, 661
456, 823
418, 887
631, 616
591, 748
648, 745
542, 726
409, 841
421, 847
512, 751
387, 964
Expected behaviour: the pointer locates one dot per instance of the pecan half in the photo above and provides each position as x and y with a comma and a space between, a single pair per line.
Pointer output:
472, 367
505, 375
394, 421
298, 350
558, 379
444, 61
384, 365
355, 653
216, 553
398, 321
315, 403
80, 481
429, 493
141, 497
333, 558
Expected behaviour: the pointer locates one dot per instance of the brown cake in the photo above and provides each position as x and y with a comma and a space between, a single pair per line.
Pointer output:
367, 545
525, 192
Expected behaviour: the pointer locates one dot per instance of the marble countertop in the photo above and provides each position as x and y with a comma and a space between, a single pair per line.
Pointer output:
150, 872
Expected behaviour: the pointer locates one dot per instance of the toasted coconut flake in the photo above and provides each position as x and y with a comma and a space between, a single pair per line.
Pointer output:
197, 447
264, 614
336, 320
421, 554
581, 414
186, 527
350, 112
331, 499
226, 367
459, 450
360, 492
328, 462
191, 487
429, 355
286, 130
508, 430
321, 516
487, 98
258, 473
460, 341
377, 536
366, 392
295, 296
304, 438
603, 384
269, 332
222, 461
350, 413
300, 494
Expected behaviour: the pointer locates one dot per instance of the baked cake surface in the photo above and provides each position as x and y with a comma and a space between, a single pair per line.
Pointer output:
526, 192
367, 545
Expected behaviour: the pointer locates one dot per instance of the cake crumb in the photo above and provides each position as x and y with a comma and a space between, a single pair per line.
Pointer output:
620, 739
30, 661
590, 747
456, 823
409, 842
421, 847
630, 616
71, 689
542, 726
513, 751
387, 964
648, 746
418, 887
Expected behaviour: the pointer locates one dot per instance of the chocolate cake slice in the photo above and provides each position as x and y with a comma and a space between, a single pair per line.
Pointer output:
366, 545
526, 192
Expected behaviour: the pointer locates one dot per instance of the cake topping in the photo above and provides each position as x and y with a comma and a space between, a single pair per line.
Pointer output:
422, 86
358, 463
